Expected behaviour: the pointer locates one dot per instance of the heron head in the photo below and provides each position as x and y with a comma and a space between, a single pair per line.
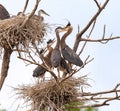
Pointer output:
59, 29
42, 12
20, 14
68, 27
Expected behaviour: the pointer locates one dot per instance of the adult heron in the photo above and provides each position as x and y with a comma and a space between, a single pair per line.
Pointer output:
4, 14
56, 60
67, 52
56, 54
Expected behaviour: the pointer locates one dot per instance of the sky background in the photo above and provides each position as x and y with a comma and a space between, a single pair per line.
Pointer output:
104, 71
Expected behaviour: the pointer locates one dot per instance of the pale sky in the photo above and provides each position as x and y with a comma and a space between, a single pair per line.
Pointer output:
104, 70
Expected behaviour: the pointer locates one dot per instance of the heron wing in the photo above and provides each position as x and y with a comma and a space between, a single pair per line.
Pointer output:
55, 58
38, 71
71, 56
3, 13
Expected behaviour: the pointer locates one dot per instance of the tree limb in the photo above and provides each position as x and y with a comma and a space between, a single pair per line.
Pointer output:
25, 7
79, 35
5, 65
103, 40
31, 14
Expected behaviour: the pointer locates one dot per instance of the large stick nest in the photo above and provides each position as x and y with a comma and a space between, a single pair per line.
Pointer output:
12, 34
52, 95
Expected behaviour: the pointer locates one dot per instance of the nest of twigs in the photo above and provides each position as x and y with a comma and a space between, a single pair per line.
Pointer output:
51, 95
12, 33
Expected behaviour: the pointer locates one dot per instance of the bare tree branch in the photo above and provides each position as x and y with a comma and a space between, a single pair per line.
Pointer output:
83, 47
25, 7
5, 65
97, 4
103, 40
99, 98
49, 70
31, 14
79, 35
75, 71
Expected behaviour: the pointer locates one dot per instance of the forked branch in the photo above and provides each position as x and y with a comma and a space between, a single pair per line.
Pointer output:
103, 40
32, 13
79, 35
99, 99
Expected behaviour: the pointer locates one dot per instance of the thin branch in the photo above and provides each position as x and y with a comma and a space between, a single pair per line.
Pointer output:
78, 28
97, 4
104, 30
114, 90
75, 71
25, 7
83, 47
31, 14
99, 97
103, 40
79, 35
49, 70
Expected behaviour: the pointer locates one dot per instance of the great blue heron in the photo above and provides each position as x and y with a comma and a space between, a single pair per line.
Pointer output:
4, 14
56, 60
67, 52
56, 55
39, 16
39, 71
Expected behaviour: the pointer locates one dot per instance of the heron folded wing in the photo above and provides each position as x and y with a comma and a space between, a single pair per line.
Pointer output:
71, 56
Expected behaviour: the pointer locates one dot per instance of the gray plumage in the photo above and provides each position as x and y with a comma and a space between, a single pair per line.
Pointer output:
71, 56
67, 52
56, 55
55, 58
39, 71
4, 14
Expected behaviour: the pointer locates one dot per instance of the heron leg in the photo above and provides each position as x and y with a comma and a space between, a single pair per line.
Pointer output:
58, 69
64, 74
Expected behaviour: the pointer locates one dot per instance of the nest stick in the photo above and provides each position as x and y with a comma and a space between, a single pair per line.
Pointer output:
5, 65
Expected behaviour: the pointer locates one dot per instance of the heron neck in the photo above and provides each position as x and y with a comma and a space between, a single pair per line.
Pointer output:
58, 39
64, 37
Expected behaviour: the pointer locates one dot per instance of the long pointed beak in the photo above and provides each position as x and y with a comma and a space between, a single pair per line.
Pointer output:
69, 24
43, 12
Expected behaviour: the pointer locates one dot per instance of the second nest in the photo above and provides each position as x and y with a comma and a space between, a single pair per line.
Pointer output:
51, 95
12, 33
